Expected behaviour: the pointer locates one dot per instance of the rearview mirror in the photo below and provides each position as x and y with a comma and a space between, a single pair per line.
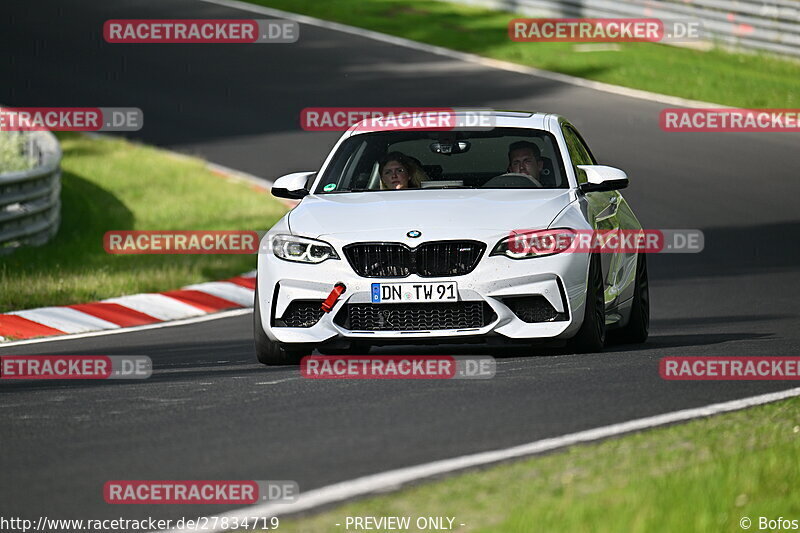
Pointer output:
292, 185
450, 148
603, 178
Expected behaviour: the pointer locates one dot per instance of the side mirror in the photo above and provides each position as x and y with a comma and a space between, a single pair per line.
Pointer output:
603, 178
292, 185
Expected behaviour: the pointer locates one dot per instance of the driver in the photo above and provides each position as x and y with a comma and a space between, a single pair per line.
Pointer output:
524, 157
400, 171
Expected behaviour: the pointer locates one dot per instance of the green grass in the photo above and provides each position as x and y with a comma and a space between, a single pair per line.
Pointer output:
112, 184
702, 476
742, 80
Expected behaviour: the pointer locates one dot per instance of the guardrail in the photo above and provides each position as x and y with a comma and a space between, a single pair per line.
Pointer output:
766, 25
30, 200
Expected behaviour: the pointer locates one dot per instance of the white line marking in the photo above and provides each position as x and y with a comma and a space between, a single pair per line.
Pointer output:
157, 325
515, 368
463, 56
277, 381
65, 319
244, 176
394, 479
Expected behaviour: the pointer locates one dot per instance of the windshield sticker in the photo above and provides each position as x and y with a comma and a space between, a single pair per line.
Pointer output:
329, 187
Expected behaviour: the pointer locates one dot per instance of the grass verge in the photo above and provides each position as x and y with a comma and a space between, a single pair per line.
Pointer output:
741, 80
12, 156
705, 475
112, 184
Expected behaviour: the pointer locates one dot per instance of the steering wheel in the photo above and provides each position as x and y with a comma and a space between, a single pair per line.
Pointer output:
518, 175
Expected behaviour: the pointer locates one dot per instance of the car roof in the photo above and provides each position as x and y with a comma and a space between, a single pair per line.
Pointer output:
500, 119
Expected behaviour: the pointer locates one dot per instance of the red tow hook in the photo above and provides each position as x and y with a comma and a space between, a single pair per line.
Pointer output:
330, 301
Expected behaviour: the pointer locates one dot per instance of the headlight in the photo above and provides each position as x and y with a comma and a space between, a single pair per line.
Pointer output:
527, 244
302, 250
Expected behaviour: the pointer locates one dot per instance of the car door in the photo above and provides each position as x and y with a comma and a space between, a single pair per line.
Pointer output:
603, 210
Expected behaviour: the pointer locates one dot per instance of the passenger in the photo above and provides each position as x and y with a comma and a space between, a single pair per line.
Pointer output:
524, 157
399, 171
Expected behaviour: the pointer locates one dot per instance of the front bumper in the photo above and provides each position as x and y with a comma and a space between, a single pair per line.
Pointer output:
560, 279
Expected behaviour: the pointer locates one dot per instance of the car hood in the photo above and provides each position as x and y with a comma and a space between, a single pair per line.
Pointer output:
390, 211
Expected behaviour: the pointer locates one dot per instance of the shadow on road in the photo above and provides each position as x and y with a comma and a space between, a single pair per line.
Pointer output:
735, 251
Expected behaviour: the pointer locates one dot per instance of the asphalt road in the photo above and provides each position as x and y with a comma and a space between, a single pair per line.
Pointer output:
210, 412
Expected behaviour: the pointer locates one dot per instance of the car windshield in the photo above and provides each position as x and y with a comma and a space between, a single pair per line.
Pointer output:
502, 158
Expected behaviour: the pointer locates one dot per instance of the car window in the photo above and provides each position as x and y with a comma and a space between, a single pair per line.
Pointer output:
489, 155
578, 151
480, 157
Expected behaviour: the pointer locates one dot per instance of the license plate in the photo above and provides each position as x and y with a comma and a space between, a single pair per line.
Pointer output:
397, 293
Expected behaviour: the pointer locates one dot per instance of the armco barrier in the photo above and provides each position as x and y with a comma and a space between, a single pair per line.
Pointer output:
30, 200
765, 25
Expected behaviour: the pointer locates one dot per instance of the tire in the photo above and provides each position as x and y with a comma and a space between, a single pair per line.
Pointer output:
270, 352
592, 336
638, 327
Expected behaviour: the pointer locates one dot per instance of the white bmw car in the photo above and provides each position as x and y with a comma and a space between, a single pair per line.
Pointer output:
372, 257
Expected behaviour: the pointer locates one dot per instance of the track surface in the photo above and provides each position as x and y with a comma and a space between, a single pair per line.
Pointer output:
210, 412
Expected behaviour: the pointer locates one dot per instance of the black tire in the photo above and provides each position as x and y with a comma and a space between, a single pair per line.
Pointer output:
270, 352
638, 327
592, 336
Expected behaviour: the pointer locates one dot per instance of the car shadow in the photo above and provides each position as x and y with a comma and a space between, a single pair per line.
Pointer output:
657, 342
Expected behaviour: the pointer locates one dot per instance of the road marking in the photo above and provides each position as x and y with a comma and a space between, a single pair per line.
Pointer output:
22, 327
157, 305
65, 319
115, 313
394, 479
159, 325
244, 176
208, 303
227, 290
132, 312
276, 381
471, 58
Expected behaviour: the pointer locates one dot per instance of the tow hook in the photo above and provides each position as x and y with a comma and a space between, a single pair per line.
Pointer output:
330, 301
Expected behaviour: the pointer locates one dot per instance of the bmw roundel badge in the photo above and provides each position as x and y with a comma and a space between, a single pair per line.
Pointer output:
414, 233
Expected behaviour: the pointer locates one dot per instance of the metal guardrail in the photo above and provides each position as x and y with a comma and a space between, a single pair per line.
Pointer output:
30, 200
765, 25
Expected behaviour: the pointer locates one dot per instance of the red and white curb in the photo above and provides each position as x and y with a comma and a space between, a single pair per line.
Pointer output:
129, 311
